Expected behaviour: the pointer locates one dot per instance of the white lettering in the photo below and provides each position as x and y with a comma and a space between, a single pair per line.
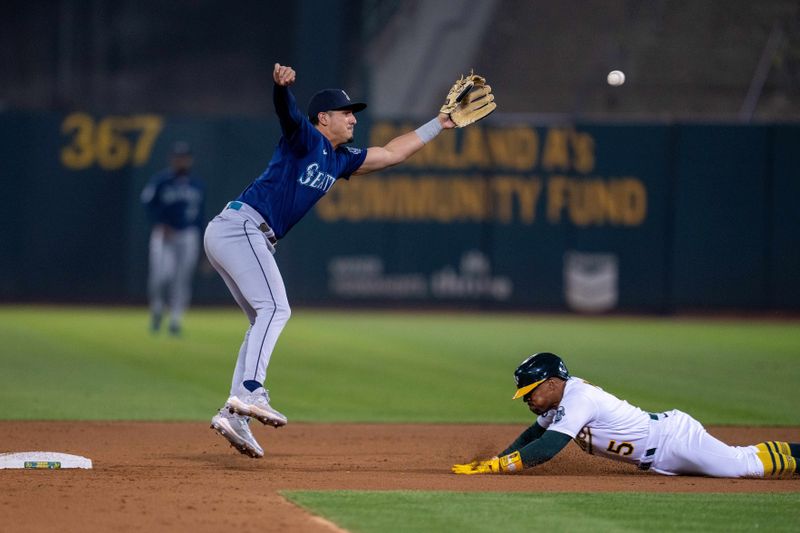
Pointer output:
316, 179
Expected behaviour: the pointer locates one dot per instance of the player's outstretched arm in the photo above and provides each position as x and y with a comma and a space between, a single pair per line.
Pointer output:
289, 115
526, 437
401, 148
537, 452
469, 100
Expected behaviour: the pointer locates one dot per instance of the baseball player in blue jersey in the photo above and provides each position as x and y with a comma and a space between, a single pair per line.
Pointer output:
175, 200
240, 242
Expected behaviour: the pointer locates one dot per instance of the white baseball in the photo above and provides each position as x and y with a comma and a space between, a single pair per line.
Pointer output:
616, 78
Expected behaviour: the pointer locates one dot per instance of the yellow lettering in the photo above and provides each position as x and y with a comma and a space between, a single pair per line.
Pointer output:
151, 126
503, 190
596, 201
583, 147
108, 141
556, 151
505, 199
474, 149
556, 198
470, 196
515, 148
79, 154
634, 199
113, 148
576, 204
528, 192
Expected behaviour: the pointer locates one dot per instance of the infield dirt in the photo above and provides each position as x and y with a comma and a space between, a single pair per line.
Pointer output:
184, 477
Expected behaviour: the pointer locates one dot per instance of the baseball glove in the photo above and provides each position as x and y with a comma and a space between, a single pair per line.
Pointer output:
469, 100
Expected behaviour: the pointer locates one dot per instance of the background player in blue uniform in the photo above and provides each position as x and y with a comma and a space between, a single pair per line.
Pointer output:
240, 242
175, 200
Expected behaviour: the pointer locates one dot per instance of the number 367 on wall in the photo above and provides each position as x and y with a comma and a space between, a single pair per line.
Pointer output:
111, 142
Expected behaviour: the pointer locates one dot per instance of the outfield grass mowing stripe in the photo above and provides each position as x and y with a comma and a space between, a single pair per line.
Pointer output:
405, 511
101, 363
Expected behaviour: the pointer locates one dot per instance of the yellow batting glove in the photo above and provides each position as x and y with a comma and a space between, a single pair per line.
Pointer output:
508, 463
487, 466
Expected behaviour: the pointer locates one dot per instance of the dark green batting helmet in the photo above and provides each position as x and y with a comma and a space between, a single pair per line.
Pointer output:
537, 368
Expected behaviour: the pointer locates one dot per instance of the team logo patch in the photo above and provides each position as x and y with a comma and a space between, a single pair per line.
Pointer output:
559, 414
354, 151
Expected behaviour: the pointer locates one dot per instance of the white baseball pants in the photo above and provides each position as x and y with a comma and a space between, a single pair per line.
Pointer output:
173, 258
243, 256
685, 447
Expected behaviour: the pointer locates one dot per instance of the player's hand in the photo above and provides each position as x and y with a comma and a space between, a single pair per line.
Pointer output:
446, 121
487, 466
283, 75
508, 463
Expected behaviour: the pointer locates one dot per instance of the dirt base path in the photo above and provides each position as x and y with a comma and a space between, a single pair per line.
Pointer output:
184, 477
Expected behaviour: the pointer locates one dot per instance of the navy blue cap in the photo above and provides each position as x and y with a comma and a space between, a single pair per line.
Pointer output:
332, 100
181, 148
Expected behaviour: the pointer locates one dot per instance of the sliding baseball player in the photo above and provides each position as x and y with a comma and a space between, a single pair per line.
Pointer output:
669, 443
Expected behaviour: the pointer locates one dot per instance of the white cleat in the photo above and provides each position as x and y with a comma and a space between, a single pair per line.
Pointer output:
236, 430
257, 406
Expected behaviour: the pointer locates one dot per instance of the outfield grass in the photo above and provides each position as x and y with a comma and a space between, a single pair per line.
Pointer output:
403, 511
101, 363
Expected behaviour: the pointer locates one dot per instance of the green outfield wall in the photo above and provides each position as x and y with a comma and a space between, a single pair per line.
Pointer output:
584, 217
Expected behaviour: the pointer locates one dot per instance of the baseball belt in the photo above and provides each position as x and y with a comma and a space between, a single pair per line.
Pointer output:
647, 461
263, 226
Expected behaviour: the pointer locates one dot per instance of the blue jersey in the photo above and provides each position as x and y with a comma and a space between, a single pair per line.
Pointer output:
175, 200
303, 168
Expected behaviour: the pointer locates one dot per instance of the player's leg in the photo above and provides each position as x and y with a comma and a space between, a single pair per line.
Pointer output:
239, 250
266, 295
779, 458
187, 249
777, 446
156, 277
692, 450
233, 427
238, 372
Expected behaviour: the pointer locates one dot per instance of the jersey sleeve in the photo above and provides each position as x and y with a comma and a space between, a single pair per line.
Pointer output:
349, 160
148, 195
544, 448
571, 416
151, 198
286, 108
526, 437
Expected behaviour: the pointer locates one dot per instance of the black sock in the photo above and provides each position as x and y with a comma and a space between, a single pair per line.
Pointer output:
795, 449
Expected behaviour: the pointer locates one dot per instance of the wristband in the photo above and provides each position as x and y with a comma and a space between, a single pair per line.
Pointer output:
511, 462
429, 130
